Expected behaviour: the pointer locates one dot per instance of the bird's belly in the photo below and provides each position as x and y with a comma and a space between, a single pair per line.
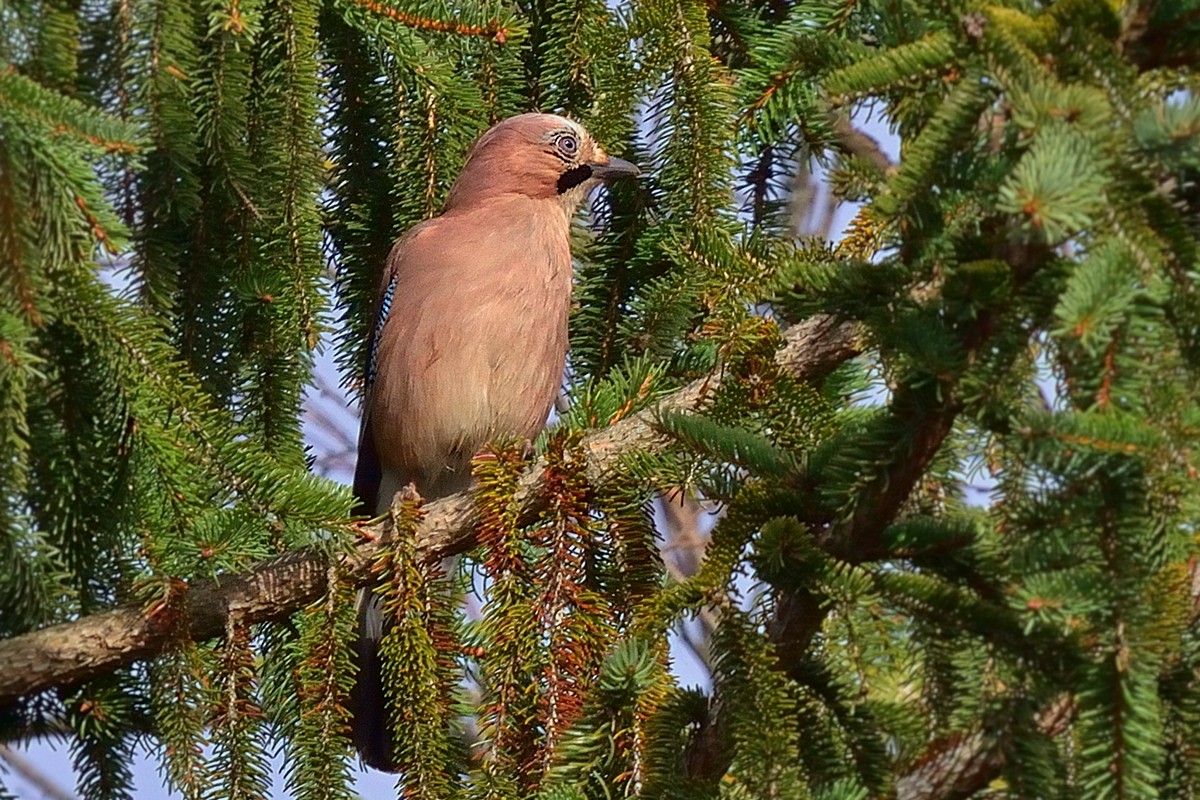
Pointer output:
477, 401
457, 388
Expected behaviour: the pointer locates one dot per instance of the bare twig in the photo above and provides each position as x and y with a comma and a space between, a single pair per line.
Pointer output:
852, 141
683, 554
32, 775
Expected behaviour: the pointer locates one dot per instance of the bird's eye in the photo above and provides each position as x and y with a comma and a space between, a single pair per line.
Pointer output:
568, 145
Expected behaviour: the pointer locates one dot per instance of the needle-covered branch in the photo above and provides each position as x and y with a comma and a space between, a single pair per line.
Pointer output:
66, 654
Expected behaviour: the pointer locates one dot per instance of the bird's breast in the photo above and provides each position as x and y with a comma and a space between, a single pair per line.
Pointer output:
474, 346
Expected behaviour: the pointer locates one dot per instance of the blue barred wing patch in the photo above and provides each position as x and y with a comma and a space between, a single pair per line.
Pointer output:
385, 308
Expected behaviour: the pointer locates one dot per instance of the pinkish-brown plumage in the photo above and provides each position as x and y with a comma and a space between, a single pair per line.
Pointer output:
471, 337
474, 355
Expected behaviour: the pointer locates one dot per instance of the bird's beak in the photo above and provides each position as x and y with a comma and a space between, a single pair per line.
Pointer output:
614, 168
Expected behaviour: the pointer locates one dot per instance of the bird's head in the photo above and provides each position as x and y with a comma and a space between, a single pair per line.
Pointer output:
543, 156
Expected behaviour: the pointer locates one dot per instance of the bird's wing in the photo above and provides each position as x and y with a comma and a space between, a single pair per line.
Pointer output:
368, 473
368, 701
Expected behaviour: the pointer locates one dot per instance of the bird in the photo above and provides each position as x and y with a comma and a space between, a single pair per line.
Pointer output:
469, 341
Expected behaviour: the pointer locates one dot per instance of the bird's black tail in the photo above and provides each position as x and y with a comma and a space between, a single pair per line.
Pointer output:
370, 725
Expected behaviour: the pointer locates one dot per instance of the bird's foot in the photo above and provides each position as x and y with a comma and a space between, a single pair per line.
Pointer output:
408, 494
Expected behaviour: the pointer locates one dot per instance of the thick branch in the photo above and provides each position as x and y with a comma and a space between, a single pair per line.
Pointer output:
800, 612
66, 654
962, 765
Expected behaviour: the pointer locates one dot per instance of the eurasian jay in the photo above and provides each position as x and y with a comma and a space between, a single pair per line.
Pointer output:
469, 340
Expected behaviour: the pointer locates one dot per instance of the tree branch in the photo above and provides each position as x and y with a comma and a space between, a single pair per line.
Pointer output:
32, 775
961, 765
65, 654
854, 142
